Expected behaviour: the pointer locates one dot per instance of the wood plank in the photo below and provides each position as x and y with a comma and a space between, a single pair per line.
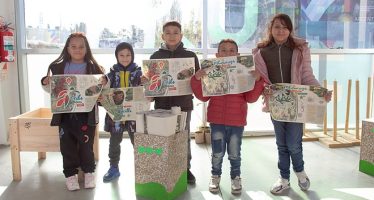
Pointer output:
338, 143
351, 138
49, 143
96, 143
309, 136
14, 148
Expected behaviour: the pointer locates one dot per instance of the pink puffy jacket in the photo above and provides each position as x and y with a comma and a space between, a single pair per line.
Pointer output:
301, 70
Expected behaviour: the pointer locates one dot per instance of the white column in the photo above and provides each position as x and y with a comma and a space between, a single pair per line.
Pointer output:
362, 23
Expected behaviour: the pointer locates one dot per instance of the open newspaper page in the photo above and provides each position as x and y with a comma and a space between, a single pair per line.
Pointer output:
168, 77
74, 93
122, 104
227, 75
297, 103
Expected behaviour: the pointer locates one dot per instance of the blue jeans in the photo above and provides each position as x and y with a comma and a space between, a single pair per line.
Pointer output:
222, 137
289, 137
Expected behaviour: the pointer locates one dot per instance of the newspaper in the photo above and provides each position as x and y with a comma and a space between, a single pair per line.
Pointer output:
122, 104
168, 77
74, 93
297, 103
227, 75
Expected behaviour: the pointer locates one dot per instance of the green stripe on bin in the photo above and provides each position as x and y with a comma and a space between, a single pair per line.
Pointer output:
157, 191
366, 167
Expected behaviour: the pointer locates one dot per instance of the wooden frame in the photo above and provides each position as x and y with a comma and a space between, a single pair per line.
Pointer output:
31, 131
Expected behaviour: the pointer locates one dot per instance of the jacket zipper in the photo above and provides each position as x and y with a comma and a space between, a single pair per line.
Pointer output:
280, 61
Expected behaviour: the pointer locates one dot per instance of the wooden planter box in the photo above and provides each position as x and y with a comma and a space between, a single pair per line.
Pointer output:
31, 131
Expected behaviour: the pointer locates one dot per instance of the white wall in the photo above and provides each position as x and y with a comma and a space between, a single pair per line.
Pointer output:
9, 87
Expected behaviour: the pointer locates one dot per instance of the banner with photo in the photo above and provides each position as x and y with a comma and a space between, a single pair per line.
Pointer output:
168, 77
74, 93
297, 103
227, 75
122, 104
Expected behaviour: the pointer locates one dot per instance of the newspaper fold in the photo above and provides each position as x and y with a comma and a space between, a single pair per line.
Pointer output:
297, 103
74, 93
168, 77
227, 75
122, 104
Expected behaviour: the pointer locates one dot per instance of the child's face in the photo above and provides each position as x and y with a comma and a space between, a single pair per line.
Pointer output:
279, 31
172, 36
77, 49
124, 57
118, 98
227, 49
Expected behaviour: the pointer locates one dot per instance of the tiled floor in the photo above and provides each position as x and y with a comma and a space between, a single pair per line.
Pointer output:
333, 172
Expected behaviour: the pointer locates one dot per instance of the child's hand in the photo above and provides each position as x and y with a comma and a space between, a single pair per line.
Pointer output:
268, 91
328, 96
143, 80
46, 80
199, 74
100, 98
103, 80
255, 74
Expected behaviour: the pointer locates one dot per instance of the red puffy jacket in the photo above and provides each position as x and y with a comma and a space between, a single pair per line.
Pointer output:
228, 109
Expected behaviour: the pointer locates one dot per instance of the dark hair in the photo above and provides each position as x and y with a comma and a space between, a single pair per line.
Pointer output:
88, 58
172, 23
228, 40
124, 45
116, 99
286, 21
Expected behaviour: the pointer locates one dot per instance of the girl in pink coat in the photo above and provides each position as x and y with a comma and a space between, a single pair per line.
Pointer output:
283, 58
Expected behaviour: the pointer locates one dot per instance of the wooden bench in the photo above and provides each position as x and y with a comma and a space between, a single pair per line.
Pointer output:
32, 132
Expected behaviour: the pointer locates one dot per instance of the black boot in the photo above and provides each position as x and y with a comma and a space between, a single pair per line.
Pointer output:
190, 177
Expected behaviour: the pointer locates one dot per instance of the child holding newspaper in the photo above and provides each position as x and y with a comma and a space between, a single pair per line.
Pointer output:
284, 58
173, 48
77, 130
227, 116
125, 73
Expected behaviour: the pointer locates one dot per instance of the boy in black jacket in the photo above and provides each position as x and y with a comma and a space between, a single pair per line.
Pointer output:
173, 48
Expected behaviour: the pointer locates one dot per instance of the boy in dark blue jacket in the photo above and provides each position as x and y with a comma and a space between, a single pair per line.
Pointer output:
125, 73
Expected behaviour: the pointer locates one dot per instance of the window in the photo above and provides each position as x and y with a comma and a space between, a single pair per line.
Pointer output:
325, 24
341, 25
107, 23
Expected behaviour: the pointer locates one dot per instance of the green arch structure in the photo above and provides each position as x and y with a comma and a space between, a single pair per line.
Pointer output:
216, 33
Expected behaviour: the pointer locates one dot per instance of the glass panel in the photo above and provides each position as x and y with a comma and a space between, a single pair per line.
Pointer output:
137, 22
341, 68
37, 66
325, 24
235, 19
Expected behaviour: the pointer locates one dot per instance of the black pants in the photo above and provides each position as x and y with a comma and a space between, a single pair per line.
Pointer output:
115, 146
76, 144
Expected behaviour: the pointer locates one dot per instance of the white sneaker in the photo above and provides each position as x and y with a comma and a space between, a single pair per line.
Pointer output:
303, 180
89, 180
236, 185
72, 183
279, 186
214, 183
